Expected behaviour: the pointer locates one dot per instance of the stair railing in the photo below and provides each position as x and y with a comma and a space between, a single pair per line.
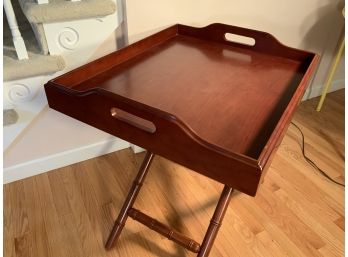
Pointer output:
17, 39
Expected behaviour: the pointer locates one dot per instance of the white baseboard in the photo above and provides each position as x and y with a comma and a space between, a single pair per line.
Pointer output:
62, 159
315, 90
52, 141
137, 149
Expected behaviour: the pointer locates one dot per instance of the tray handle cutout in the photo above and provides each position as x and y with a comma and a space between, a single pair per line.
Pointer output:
244, 40
133, 120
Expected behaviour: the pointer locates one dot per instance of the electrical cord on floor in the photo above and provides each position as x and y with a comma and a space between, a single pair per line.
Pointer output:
312, 162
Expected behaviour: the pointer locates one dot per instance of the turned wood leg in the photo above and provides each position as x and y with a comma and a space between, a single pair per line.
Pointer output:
215, 222
133, 192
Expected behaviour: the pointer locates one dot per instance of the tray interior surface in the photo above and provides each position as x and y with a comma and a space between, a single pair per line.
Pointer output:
229, 96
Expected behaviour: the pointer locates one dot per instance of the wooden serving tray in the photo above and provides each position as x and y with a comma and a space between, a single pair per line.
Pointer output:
188, 94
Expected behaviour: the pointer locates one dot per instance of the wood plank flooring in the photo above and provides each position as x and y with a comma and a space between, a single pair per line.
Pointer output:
297, 212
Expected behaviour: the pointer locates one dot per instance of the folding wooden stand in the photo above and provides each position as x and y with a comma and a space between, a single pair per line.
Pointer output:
203, 250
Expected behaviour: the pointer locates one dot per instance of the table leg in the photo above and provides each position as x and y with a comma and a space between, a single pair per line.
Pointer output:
123, 215
215, 222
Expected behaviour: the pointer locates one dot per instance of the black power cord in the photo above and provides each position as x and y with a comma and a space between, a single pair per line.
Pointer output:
312, 162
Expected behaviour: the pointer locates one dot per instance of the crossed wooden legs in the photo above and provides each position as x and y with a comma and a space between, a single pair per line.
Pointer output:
128, 210
127, 205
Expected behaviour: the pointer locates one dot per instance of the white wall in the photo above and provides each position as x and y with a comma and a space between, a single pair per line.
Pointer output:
313, 25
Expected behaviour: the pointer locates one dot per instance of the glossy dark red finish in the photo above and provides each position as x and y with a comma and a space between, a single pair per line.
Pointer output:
218, 107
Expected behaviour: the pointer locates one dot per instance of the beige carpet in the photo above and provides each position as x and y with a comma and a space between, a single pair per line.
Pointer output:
63, 10
10, 117
37, 64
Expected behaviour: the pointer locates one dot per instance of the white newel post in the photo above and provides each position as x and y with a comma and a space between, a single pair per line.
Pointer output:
18, 41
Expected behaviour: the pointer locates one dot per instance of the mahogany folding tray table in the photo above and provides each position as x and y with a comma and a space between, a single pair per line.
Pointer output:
215, 106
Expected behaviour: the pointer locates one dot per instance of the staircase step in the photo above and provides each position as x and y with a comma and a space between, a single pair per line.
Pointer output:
36, 65
63, 10
10, 116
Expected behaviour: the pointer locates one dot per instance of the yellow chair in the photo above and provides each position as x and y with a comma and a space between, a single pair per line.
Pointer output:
332, 71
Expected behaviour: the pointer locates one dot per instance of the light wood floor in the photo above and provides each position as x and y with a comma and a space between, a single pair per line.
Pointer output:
297, 212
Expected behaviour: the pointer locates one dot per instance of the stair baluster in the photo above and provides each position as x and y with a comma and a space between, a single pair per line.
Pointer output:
18, 41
